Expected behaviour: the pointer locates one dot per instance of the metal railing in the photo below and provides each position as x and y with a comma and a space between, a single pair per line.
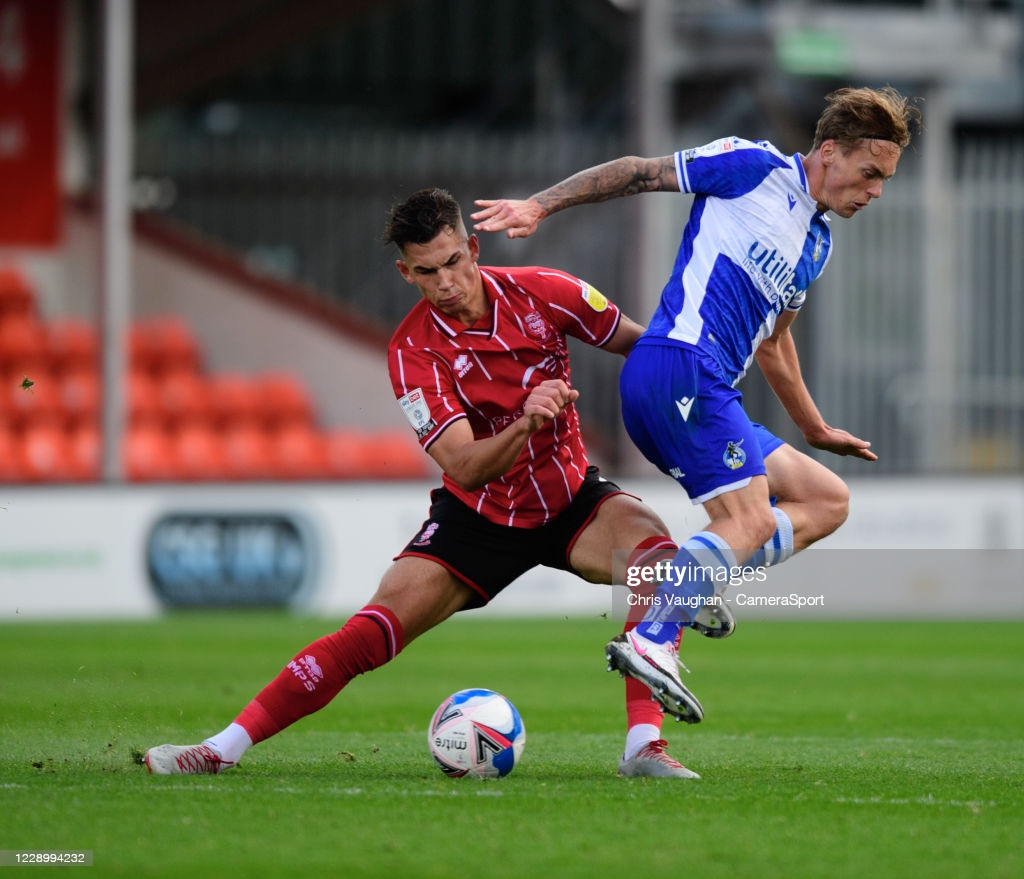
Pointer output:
312, 208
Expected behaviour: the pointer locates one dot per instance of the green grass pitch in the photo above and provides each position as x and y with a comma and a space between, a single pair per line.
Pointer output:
828, 750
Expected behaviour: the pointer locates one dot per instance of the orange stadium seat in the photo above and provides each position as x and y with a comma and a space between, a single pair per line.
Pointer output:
85, 453
163, 344
36, 404
384, 454
81, 396
184, 398
148, 455
46, 454
175, 346
74, 344
234, 400
8, 417
348, 451
24, 346
11, 469
141, 350
248, 453
299, 453
284, 400
142, 400
17, 298
397, 455
199, 453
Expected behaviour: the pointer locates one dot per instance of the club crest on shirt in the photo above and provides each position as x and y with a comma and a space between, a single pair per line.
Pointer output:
414, 405
734, 456
594, 298
536, 326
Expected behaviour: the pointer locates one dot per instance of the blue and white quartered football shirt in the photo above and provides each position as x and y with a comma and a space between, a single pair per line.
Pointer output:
753, 243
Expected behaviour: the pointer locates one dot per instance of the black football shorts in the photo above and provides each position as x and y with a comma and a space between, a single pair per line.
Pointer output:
487, 557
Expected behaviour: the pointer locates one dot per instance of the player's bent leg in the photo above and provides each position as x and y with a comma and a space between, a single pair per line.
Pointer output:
414, 595
643, 714
313, 677
422, 593
742, 517
644, 753
625, 523
622, 527
815, 499
655, 665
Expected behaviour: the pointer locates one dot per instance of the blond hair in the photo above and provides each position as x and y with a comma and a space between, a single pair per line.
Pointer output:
877, 114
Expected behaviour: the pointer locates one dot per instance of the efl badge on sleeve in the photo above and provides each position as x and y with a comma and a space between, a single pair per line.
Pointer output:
415, 407
594, 299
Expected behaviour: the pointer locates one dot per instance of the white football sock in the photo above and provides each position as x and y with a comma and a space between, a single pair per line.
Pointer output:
779, 548
638, 736
231, 743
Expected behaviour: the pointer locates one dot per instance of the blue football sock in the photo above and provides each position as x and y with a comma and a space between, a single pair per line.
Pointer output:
687, 583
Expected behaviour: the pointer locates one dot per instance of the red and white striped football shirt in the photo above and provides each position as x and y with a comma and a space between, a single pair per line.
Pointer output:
442, 371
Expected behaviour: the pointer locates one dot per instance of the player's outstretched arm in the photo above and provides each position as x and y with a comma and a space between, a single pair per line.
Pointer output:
620, 177
472, 463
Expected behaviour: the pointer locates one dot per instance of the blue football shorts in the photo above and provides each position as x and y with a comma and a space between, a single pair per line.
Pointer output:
688, 421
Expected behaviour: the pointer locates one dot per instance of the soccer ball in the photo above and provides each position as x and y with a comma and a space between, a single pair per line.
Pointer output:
476, 732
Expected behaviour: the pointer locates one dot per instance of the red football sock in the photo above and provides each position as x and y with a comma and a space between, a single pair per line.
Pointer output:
640, 708
372, 637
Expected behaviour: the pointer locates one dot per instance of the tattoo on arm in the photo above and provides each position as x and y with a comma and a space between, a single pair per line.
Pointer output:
629, 175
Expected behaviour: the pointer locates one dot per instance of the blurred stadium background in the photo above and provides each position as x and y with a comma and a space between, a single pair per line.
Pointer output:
194, 300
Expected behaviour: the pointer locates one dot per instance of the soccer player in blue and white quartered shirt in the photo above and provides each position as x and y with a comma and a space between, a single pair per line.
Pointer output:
756, 237
754, 242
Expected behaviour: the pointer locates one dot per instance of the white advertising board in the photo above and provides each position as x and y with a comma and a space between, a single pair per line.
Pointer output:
911, 549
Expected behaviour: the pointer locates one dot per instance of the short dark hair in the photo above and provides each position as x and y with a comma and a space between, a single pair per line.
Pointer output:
421, 217
878, 114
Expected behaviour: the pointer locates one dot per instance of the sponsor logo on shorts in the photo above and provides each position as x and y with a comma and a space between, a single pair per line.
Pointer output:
734, 456
426, 534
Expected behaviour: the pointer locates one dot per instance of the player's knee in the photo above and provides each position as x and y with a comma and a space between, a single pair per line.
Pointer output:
832, 507
647, 521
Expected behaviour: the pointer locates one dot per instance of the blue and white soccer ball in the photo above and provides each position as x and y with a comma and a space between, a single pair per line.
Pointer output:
476, 732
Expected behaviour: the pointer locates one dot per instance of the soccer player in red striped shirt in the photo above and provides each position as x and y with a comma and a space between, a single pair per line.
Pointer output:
480, 367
